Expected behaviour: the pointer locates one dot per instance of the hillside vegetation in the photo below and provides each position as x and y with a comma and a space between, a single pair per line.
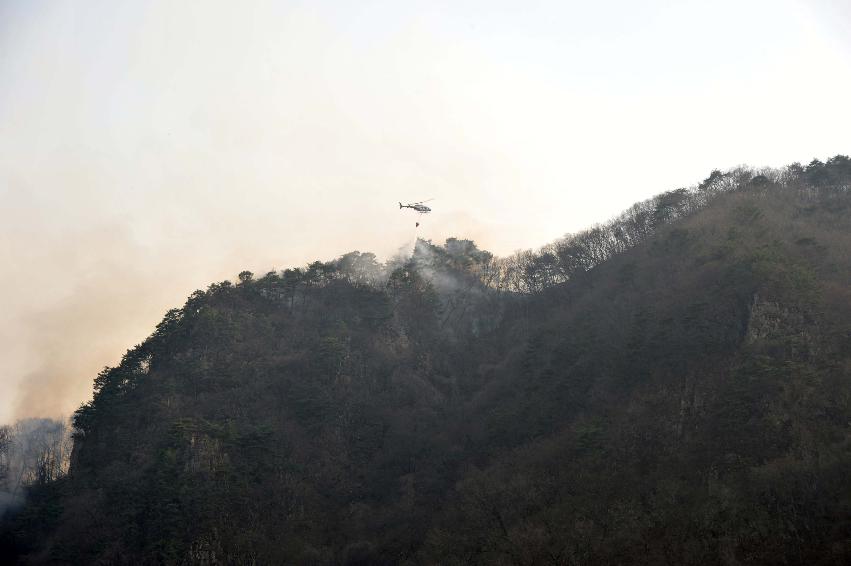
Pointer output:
671, 387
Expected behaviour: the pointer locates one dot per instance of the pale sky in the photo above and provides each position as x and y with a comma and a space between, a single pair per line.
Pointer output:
148, 149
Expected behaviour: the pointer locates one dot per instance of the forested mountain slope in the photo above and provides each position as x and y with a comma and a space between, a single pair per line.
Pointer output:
673, 386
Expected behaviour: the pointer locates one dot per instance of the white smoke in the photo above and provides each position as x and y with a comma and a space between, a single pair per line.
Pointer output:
32, 452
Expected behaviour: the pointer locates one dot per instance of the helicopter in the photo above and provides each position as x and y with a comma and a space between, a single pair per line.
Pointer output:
418, 206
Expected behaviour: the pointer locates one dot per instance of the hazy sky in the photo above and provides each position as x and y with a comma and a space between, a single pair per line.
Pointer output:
150, 148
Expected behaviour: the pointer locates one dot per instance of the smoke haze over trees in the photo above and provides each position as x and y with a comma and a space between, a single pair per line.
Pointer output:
33, 452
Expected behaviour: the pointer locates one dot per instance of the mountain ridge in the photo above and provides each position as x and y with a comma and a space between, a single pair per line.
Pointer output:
667, 387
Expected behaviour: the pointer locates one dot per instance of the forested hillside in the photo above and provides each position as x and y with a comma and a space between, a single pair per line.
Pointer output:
670, 387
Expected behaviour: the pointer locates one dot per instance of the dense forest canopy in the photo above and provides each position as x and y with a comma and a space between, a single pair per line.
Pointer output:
671, 386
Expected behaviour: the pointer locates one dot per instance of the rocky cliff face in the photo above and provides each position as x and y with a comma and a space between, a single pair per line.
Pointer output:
770, 320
